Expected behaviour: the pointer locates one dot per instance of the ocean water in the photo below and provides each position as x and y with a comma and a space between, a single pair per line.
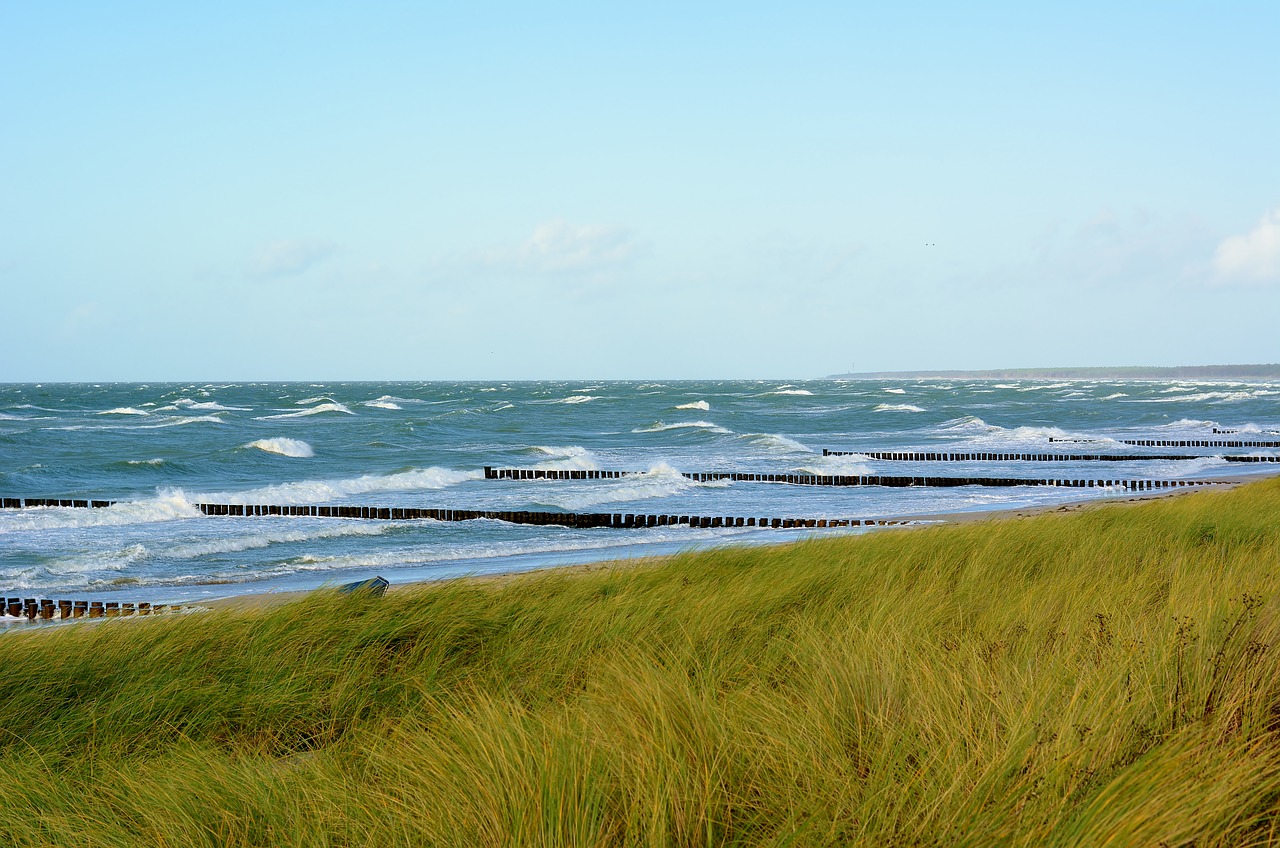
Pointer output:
158, 448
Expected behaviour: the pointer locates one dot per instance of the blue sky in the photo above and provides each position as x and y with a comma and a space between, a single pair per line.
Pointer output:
495, 191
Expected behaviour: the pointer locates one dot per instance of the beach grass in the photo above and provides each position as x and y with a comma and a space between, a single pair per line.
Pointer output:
1106, 676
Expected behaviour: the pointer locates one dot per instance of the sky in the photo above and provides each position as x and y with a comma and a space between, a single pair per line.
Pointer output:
424, 191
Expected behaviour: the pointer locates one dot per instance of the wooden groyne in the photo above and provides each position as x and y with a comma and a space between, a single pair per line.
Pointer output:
1197, 443
897, 482
45, 609
930, 456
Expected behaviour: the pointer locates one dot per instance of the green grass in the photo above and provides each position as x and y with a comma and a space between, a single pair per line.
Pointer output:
1102, 677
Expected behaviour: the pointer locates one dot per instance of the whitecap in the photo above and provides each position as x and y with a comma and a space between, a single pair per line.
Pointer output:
571, 457
777, 443
682, 425
577, 399
172, 422
697, 404
167, 505
850, 465
208, 406
897, 407
154, 461
896, 391
660, 481
321, 491
123, 410
315, 410
284, 447
1214, 397
1114, 396
280, 536
790, 392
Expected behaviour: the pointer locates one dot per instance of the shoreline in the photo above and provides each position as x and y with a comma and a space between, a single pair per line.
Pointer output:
264, 600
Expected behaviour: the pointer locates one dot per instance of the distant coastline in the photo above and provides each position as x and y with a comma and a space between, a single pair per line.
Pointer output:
1139, 372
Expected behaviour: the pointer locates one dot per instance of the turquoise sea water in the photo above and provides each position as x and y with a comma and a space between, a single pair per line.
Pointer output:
157, 449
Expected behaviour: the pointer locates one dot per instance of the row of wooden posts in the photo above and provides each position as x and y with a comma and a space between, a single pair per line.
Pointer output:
44, 609
838, 479
929, 456
1180, 443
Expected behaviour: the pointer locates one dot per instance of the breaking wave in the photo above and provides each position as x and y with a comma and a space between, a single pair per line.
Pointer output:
572, 457
315, 410
322, 491
283, 447
659, 427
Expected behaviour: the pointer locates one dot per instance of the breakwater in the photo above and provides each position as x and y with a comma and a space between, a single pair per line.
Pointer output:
899, 482
981, 456
1181, 443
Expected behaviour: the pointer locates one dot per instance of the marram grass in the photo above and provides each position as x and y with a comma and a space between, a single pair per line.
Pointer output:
1107, 677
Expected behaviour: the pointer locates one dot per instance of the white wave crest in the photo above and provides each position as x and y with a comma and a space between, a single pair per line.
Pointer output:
777, 443
659, 427
697, 404
572, 457
790, 392
167, 505
896, 391
315, 410
284, 447
321, 491
849, 466
967, 424
123, 410
1114, 396
897, 407
210, 406
257, 541
1213, 397
1188, 424
384, 402
172, 422
155, 461
577, 399
660, 481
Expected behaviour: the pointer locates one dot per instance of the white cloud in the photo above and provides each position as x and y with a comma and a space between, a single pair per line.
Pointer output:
558, 246
289, 256
1253, 257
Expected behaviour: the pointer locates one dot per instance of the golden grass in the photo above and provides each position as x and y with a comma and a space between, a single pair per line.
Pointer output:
1104, 677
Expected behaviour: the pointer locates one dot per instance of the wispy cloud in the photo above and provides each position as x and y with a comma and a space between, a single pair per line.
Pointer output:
288, 257
1114, 248
1253, 257
561, 247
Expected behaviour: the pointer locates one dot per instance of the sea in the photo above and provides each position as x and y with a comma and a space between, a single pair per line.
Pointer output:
155, 450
